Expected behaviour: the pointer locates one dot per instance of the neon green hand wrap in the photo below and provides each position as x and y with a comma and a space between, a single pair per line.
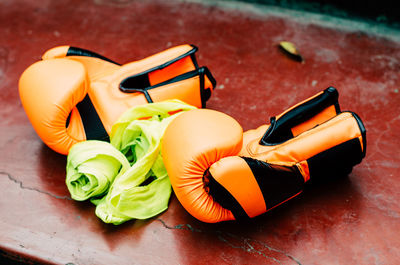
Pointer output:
142, 190
92, 167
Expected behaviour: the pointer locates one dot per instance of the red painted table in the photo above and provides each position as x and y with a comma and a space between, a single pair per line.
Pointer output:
355, 220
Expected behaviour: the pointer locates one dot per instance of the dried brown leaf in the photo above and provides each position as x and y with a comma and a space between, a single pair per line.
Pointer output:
291, 51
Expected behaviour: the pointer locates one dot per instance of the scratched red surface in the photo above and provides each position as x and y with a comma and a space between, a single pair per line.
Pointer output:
355, 220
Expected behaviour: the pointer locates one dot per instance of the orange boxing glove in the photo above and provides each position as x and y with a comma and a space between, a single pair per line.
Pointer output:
219, 173
74, 94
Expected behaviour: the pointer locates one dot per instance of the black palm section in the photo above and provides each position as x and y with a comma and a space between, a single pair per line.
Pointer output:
92, 124
277, 184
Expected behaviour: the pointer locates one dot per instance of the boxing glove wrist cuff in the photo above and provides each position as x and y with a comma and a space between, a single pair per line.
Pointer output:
283, 127
132, 84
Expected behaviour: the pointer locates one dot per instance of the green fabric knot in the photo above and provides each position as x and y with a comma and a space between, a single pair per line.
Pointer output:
127, 178
92, 167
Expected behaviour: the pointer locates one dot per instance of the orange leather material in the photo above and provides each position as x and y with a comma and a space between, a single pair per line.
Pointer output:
50, 92
252, 136
48, 104
235, 175
96, 68
319, 118
56, 52
175, 69
155, 60
111, 103
298, 104
191, 144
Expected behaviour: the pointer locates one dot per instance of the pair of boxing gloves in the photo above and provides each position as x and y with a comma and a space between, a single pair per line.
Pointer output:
217, 172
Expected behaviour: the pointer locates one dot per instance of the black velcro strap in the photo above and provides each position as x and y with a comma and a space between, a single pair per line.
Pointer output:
277, 183
137, 83
224, 198
92, 124
205, 92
